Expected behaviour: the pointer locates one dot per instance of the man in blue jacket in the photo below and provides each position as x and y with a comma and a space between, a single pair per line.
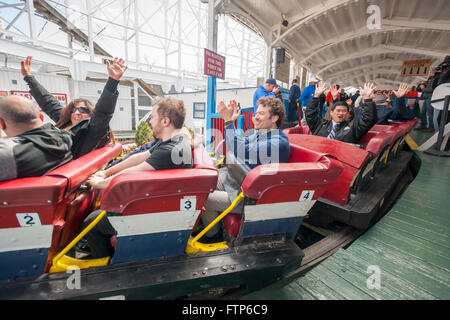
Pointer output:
267, 145
264, 91
308, 92
294, 94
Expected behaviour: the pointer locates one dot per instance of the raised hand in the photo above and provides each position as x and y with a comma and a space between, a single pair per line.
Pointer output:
321, 88
117, 68
401, 90
233, 106
334, 91
228, 113
26, 66
225, 112
367, 91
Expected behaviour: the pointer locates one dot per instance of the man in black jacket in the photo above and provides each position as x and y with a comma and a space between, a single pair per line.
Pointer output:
338, 127
31, 148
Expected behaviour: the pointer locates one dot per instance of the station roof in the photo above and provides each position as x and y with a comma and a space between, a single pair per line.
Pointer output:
340, 42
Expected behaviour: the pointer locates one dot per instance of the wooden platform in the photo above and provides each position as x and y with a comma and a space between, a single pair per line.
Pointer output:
410, 247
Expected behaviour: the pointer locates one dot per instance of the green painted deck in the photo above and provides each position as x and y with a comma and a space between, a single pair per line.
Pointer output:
410, 245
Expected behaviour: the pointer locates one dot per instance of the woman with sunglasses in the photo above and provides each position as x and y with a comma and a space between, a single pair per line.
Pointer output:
89, 125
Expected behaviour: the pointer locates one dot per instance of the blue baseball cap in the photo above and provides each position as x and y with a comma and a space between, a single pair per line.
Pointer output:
271, 81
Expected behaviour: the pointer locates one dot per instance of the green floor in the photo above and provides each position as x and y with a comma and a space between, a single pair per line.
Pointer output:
409, 247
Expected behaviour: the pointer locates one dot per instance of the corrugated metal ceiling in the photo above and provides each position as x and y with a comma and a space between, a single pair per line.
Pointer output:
336, 40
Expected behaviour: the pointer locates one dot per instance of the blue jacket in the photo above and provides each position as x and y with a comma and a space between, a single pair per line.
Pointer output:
261, 92
294, 93
258, 148
307, 94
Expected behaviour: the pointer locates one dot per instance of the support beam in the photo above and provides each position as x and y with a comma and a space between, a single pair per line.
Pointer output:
417, 23
90, 30
137, 33
310, 14
425, 52
363, 32
211, 85
31, 20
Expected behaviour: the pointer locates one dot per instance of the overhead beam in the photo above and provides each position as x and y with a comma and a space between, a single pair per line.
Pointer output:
350, 36
386, 62
343, 57
49, 13
300, 20
11, 5
382, 49
426, 52
417, 23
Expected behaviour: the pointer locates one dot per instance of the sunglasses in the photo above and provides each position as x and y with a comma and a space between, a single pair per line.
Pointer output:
81, 110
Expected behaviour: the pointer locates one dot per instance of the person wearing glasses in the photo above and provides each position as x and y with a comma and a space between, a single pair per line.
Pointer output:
88, 124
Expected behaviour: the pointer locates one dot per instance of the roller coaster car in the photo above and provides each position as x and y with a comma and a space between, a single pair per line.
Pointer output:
154, 213
375, 173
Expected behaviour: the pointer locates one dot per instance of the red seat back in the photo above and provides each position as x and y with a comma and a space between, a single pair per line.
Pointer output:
77, 171
298, 130
375, 142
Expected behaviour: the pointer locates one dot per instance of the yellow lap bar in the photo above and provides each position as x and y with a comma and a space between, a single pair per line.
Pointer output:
78, 238
222, 215
411, 143
220, 162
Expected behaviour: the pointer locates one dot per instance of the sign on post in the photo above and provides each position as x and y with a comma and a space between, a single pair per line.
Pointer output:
214, 64
282, 70
415, 68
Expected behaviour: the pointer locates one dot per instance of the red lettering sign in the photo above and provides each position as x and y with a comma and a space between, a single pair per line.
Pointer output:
214, 64
62, 97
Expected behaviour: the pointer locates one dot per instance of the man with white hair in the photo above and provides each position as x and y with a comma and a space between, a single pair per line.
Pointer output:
31, 148
308, 92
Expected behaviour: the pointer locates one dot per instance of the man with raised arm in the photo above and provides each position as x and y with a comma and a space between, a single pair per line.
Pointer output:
338, 127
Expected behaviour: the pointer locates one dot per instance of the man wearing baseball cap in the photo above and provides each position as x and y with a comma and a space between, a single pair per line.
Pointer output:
308, 92
264, 91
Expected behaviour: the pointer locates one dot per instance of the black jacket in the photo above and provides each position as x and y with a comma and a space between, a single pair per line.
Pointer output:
89, 134
35, 152
347, 131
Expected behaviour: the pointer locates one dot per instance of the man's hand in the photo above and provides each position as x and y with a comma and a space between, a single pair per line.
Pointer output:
101, 174
117, 68
321, 88
97, 182
26, 66
334, 91
367, 91
228, 113
401, 90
